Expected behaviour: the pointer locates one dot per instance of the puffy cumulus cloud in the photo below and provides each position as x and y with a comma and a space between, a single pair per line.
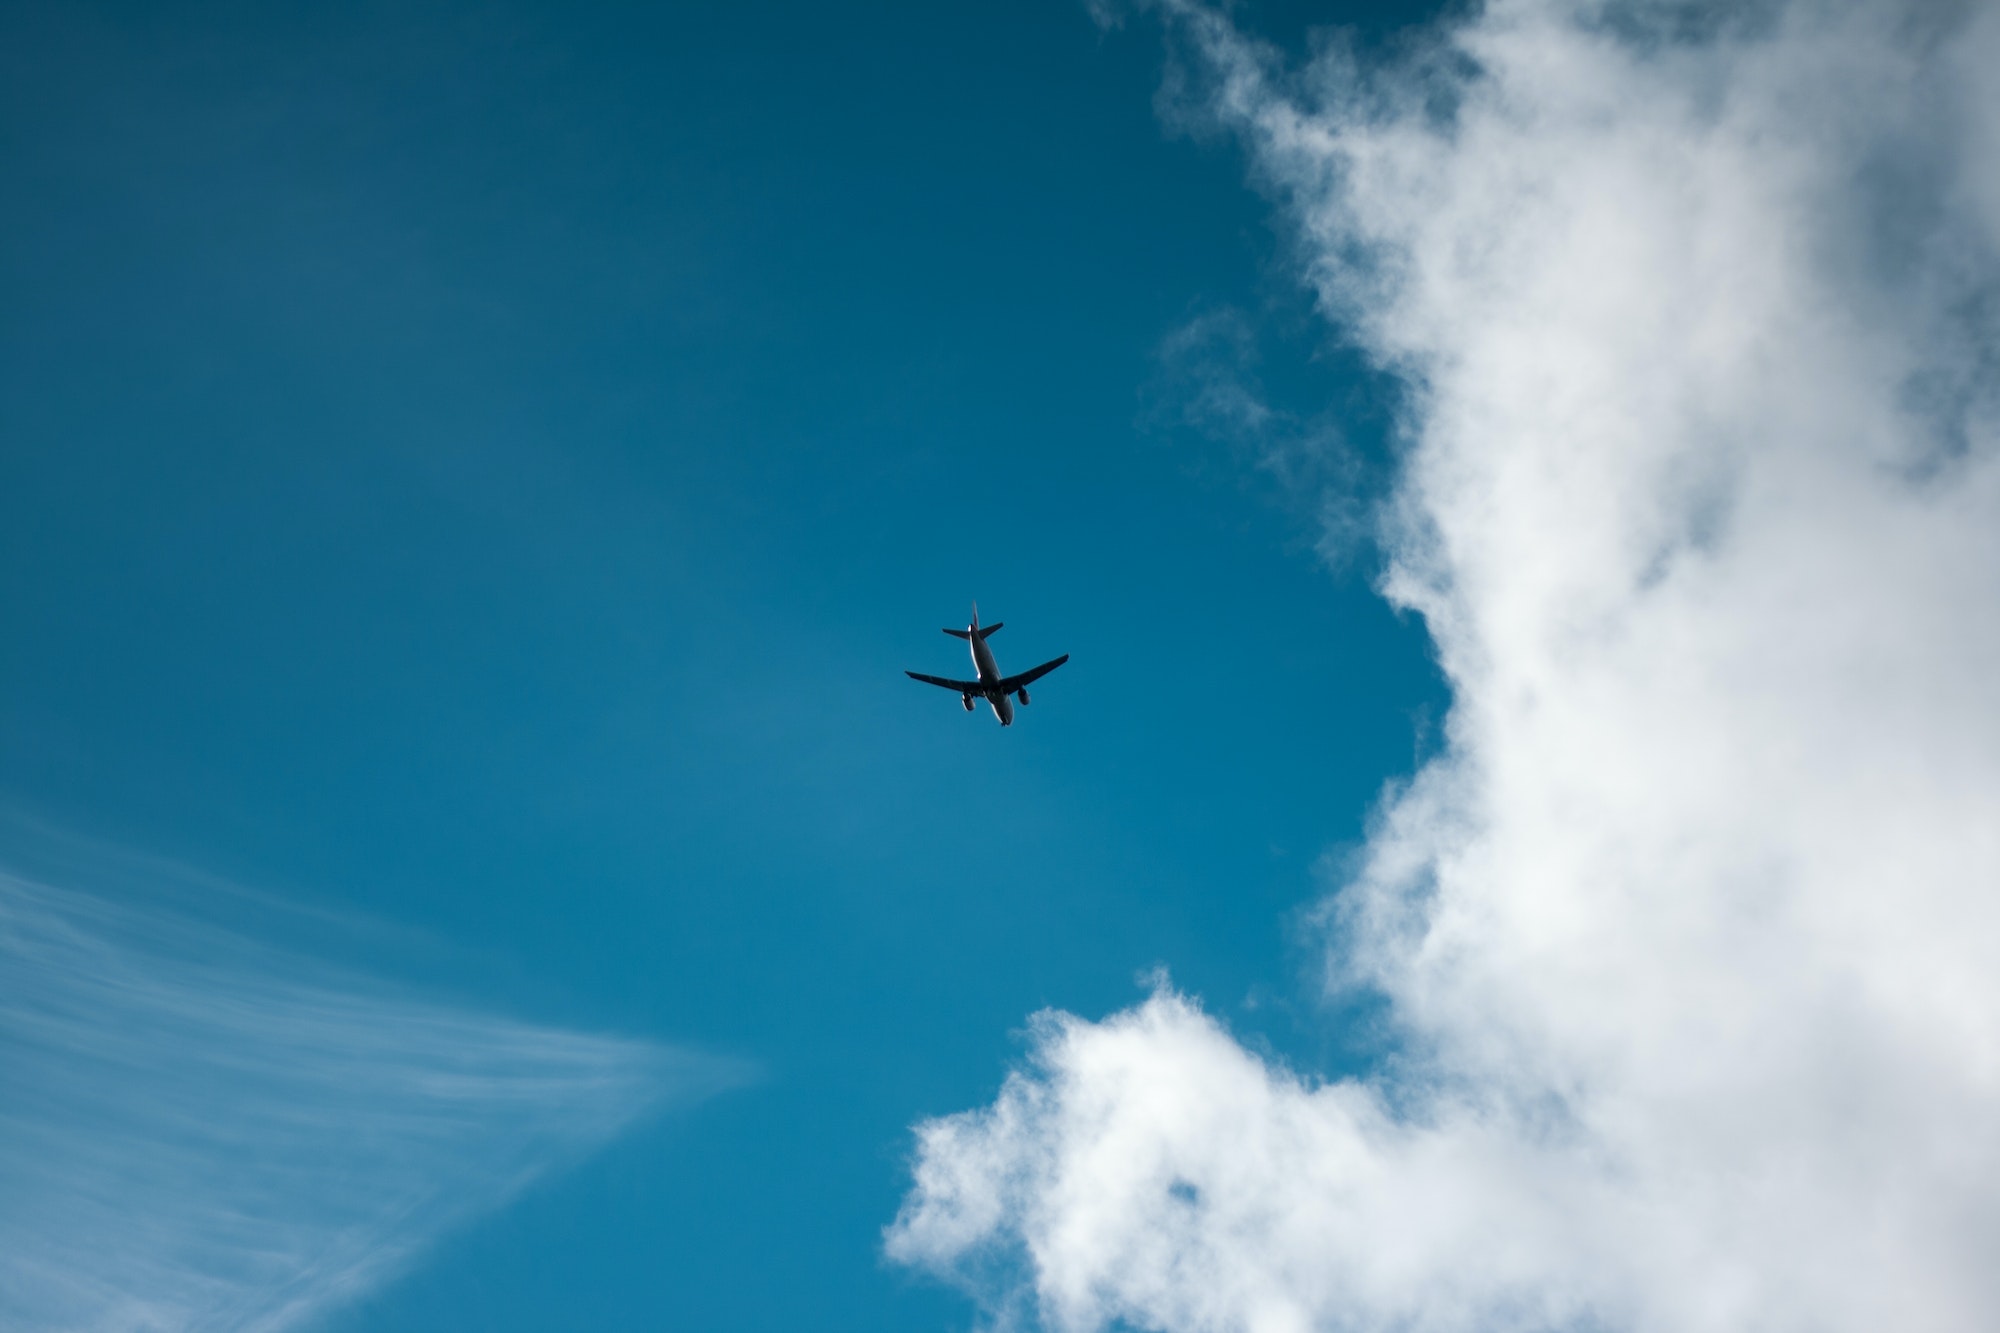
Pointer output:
1691, 936
200, 1132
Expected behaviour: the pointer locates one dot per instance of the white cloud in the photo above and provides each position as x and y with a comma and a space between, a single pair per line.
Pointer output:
198, 1132
1693, 933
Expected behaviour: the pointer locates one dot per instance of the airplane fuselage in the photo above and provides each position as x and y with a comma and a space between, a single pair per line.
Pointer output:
988, 672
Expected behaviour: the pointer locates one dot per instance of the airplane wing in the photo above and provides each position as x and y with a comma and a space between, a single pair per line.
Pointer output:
1030, 676
962, 686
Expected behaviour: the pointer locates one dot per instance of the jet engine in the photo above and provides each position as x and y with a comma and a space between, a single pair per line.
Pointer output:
1023, 697
966, 699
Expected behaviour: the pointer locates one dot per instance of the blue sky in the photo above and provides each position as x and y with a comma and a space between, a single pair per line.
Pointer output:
475, 476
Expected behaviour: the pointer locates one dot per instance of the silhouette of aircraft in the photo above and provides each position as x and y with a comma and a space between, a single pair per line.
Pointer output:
998, 690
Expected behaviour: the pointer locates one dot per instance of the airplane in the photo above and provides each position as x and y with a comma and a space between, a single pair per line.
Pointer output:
998, 690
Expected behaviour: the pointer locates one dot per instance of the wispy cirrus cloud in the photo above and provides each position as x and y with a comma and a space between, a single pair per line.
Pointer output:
1207, 382
1690, 934
201, 1132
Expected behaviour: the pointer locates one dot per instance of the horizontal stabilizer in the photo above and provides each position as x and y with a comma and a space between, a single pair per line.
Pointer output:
959, 633
987, 631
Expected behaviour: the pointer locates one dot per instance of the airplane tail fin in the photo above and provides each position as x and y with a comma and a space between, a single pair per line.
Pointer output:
975, 630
